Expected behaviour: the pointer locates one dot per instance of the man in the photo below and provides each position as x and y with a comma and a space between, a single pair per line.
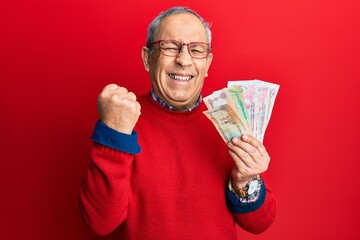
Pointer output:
176, 186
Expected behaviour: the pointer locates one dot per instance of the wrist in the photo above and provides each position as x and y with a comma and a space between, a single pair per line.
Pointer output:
240, 183
245, 188
236, 204
117, 127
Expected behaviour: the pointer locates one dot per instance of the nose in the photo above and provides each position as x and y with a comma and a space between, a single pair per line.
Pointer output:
184, 58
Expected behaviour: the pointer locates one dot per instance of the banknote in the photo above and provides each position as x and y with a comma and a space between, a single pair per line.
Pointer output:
248, 92
231, 97
236, 95
216, 99
272, 91
260, 99
245, 106
226, 121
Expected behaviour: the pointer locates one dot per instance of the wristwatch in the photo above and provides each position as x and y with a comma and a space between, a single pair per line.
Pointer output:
249, 188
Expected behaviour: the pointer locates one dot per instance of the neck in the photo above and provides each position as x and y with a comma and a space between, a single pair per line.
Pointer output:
168, 106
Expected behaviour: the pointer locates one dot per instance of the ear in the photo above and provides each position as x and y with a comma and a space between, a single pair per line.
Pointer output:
208, 63
146, 58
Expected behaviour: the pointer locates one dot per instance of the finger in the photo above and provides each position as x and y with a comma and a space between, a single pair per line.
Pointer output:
119, 90
111, 86
116, 94
130, 96
110, 90
240, 155
256, 144
242, 169
247, 147
263, 159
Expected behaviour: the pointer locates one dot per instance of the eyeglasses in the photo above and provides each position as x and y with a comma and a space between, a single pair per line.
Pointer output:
172, 48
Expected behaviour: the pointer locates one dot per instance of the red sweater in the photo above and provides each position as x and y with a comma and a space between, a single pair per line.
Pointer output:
173, 189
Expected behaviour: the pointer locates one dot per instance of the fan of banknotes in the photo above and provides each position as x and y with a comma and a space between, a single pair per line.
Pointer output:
243, 107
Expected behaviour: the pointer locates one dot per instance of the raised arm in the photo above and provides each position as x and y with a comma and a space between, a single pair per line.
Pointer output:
105, 189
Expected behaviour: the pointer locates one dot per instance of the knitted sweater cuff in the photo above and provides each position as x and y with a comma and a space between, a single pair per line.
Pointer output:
111, 138
236, 206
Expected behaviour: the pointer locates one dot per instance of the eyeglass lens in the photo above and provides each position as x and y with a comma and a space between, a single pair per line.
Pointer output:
196, 50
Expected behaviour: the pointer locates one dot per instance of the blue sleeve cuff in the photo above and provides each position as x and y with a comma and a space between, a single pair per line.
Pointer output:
111, 138
236, 206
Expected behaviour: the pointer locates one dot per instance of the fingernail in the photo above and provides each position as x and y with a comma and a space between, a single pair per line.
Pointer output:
245, 137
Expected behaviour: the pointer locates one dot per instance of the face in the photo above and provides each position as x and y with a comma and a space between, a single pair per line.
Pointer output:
178, 80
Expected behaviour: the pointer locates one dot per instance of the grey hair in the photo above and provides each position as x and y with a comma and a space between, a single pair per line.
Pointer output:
153, 26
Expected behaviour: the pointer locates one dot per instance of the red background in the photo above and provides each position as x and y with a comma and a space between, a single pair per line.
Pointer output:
56, 56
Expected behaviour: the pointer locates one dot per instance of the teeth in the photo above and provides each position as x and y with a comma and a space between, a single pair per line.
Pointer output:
180, 78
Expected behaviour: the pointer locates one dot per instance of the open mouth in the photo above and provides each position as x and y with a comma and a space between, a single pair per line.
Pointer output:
182, 78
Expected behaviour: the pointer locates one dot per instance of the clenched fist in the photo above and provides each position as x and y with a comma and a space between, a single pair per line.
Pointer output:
118, 108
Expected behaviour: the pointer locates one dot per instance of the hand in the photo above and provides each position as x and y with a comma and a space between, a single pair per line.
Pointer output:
250, 157
118, 108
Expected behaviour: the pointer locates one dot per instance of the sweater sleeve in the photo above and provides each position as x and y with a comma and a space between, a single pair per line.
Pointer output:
255, 217
105, 189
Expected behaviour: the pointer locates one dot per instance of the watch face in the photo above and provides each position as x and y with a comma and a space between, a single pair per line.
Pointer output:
253, 186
